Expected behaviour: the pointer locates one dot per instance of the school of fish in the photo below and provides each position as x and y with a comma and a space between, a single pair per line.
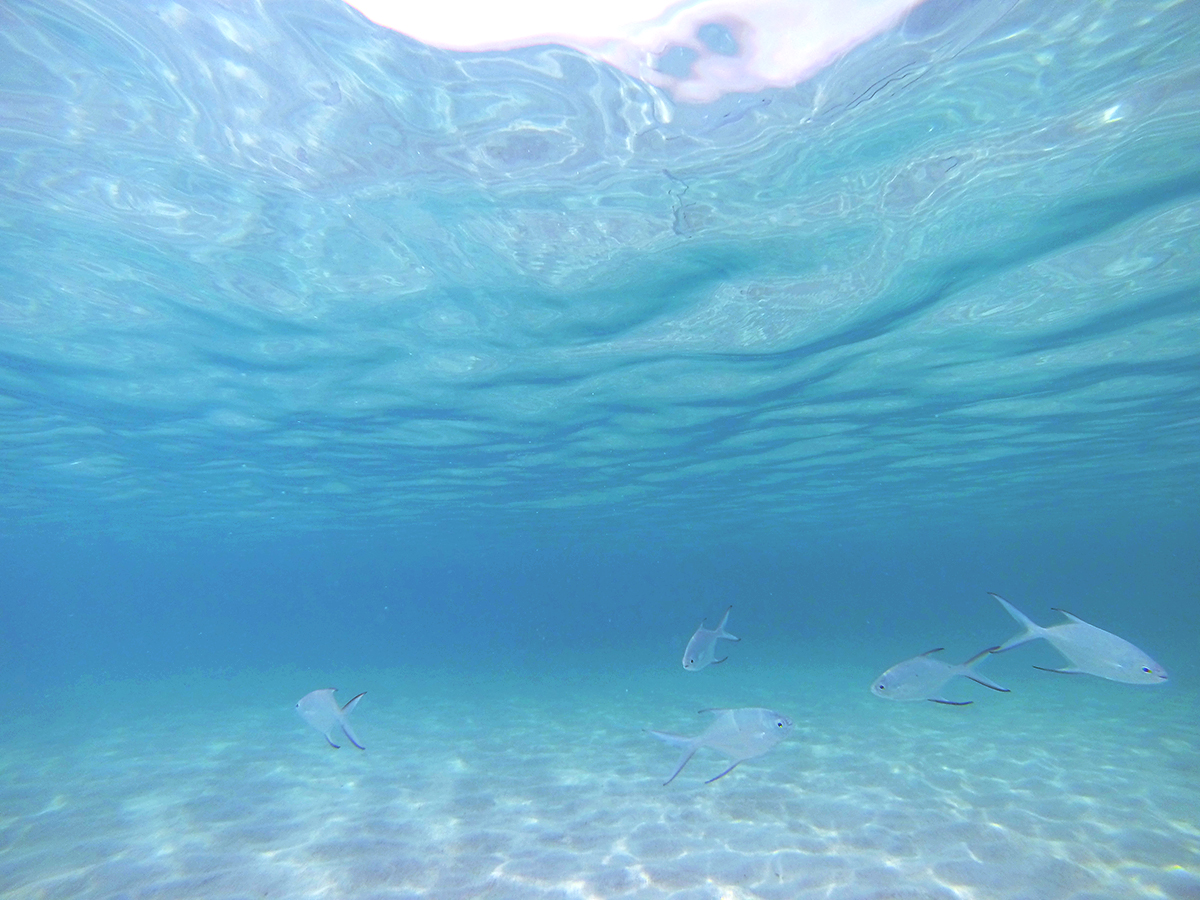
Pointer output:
748, 732
1090, 650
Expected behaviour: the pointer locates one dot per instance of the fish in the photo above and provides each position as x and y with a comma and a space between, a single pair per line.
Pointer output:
322, 712
703, 646
740, 734
1091, 650
923, 677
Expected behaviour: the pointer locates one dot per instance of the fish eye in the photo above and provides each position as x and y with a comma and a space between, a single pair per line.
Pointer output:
882, 687
1146, 669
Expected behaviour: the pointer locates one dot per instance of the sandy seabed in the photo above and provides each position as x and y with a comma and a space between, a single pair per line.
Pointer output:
512, 786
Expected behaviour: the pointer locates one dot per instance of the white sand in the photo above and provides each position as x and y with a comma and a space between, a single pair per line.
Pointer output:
549, 788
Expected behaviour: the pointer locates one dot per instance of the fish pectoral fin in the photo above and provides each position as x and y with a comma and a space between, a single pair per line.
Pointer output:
950, 702
1062, 671
721, 660
723, 774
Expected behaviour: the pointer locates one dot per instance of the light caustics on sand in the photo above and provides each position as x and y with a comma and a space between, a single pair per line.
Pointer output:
697, 50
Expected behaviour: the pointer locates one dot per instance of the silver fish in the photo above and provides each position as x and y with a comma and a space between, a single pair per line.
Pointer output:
740, 734
322, 712
923, 677
703, 646
1091, 650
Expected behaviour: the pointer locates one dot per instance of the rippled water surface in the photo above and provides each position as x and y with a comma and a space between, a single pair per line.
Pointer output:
277, 266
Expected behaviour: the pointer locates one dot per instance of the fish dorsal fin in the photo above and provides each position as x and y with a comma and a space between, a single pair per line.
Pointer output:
717, 709
934, 650
1071, 616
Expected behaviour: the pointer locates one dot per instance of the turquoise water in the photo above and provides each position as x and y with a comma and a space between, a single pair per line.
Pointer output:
328, 359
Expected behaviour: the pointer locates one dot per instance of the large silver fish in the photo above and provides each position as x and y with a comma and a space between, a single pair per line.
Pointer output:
322, 712
1091, 650
740, 734
923, 677
702, 648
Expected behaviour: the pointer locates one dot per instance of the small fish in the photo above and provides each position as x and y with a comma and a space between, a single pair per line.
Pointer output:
703, 646
740, 734
1091, 650
322, 712
923, 677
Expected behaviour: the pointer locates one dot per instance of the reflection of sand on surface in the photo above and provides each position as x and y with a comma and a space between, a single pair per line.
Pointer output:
1087, 791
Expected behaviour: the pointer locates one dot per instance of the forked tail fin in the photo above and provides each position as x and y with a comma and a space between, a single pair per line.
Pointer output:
721, 632
687, 744
969, 672
345, 723
1032, 631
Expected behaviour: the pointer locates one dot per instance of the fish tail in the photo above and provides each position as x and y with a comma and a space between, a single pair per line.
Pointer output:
1032, 631
345, 722
687, 744
721, 632
986, 682
967, 671
675, 740
683, 761
978, 656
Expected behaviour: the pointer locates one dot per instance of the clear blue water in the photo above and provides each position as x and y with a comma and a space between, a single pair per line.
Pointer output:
322, 350
314, 337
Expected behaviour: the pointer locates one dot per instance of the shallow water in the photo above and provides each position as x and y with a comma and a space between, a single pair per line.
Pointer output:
526, 787
477, 381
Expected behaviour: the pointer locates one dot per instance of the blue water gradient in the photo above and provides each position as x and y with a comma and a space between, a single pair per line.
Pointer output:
322, 347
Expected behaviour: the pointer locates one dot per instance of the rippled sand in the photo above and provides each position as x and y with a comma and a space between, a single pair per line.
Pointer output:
548, 787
